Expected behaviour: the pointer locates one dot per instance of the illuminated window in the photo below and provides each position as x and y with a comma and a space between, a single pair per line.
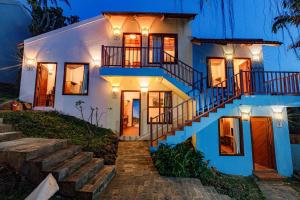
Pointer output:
76, 79
216, 72
158, 103
230, 136
159, 43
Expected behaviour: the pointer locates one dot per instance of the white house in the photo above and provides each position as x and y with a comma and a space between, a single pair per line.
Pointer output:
151, 79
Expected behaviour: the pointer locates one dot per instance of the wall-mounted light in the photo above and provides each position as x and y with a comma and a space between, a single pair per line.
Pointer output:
145, 31
117, 31
256, 57
229, 56
115, 90
278, 115
30, 63
144, 89
97, 63
245, 112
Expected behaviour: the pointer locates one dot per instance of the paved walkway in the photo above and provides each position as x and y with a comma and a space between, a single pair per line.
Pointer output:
278, 191
138, 179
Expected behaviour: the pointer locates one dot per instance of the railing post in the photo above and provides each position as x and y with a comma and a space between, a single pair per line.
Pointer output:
151, 132
241, 82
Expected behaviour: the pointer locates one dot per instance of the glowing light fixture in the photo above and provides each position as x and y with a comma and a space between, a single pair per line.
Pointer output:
256, 57
278, 115
115, 89
245, 112
132, 36
117, 31
30, 63
144, 89
145, 31
229, 56
97, 63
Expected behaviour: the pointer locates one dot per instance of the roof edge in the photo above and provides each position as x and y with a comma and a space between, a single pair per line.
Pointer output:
225, 41
64, 29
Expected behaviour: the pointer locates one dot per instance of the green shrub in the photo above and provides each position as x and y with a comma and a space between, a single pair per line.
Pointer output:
183, 161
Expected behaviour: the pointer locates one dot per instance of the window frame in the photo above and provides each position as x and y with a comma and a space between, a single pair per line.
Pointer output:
209, 74
162, 35
65, 73
148, 107
241, 136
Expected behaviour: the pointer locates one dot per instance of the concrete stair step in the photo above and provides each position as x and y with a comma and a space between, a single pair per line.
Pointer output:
69, 166
6, 128
8, 136
75, 181
210, 189
16, 152
269, 175
97, 184
47, 161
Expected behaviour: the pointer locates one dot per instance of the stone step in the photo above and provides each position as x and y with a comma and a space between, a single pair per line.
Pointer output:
97, 184
47, 161
8, 136
6, 128
69, 166
271, 175
210, 189
75, 181
16, 152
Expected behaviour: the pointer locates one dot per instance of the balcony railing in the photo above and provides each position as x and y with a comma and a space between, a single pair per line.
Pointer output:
145, 57
243, 83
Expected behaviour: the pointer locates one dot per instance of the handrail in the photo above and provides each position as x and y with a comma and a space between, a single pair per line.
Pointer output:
201, 104
142, 57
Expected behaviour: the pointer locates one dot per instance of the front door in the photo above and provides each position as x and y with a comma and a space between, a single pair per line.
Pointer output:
45, 85
243, 64
130, 113
262, 143
132, 50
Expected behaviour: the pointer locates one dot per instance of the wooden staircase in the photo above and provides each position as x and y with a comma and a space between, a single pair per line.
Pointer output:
78, 173
176, 121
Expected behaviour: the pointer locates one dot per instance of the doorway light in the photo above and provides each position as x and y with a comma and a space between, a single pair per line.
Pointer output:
278, 115
145, 31
117, 31
229, 56
144, 89
245, 112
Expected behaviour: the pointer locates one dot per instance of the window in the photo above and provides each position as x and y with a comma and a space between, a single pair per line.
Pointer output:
159, 103
230, 136
76, 79
162, 42
216, 72
294, 124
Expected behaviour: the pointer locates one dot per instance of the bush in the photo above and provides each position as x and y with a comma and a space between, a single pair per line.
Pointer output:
183, 161
56, 125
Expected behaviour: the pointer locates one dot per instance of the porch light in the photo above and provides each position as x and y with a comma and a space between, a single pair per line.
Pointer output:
30, 63
245, 112
117, 31
145, 31
97, 63
229, 56
278, 115
144, 89
115, 89
256, 57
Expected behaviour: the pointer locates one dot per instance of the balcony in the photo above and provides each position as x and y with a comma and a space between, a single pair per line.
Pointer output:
148, 61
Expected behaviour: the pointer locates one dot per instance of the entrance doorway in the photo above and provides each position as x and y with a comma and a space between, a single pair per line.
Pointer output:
243, 64
45, 85
132, 50
262, 143
130, 113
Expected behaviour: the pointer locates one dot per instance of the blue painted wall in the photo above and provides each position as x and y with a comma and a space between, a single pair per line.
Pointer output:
296, 156
207, 141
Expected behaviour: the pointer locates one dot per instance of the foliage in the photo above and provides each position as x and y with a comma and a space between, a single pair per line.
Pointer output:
45, 3
289, 16
183, 161
56, 125
8, 92
45, 19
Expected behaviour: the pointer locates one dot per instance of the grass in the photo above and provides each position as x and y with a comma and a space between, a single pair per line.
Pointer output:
55, 125
183, 161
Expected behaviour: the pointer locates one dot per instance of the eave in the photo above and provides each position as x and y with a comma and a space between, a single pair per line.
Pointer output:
226, 41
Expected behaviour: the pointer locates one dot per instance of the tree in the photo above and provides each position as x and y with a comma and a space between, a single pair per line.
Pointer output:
290, 16
45, 19
45, 3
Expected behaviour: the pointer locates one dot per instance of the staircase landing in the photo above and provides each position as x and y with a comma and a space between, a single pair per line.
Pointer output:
268, 175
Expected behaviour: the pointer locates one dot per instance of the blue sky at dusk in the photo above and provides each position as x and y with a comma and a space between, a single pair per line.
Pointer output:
252, 19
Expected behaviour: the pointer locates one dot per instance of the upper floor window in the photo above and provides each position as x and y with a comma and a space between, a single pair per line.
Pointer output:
216, 72
162, 46
76, 79
158, 103
230, 136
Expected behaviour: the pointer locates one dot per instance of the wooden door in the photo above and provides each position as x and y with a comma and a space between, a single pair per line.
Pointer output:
243, 64
132, 43
262, 143
41, 86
